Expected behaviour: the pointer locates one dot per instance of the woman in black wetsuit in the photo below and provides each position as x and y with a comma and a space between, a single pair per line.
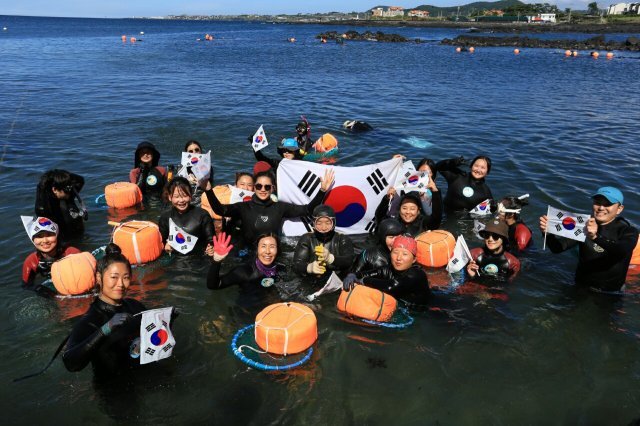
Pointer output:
255, 277
194, 147
146, 172
402, 278
58, 198
492, 262
380, 254
410, 212
263, 214
105, 335
466, 190
193, 220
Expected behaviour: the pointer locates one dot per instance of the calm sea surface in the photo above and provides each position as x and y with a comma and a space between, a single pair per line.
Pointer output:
73, 96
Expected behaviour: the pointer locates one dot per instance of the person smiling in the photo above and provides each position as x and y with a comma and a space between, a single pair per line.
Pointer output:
465, 190
146, 172
493, 260
605, 254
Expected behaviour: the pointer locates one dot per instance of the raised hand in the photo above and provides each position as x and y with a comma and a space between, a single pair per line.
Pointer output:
327, 180
221, 246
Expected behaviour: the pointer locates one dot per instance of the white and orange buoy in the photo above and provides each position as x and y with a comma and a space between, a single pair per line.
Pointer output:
472, 49
458, 49
567, 53
516, 51
609, 55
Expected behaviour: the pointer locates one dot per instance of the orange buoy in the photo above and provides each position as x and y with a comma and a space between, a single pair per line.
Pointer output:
286, 328
516, 51
139, 240
368, 303
121, 195
567, 53
435, 248
574, 53
124, 38
223, 193
635, 257
472, 49
74, 274
458, 49
132, 39
609, 55
595, 55
327, 142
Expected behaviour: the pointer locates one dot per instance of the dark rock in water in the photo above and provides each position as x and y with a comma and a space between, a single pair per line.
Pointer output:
357, 126
365, 36
594, 43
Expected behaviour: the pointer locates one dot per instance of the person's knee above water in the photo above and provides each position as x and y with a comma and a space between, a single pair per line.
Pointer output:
605, 254
195, 224
107, 333
465, 189
43, 232
379, 255
324, 250
402, 278
146, 172
509, 210
58, 198
492, 261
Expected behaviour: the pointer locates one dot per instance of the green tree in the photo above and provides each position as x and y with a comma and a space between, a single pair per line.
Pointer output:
593, 8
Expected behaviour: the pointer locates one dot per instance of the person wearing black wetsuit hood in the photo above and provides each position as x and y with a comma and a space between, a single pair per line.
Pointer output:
465, 189
58, 198
287, 148
146, 172
379, 255
324, 250
303, 137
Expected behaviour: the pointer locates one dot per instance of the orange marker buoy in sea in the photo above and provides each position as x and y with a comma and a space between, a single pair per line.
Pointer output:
567, 53
133, 40
595, 55
516, 51
458, 50
574, 53
124, 38
472, 49
609, 55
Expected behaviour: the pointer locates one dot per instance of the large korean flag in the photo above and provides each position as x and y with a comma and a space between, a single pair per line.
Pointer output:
567, 224
355, 195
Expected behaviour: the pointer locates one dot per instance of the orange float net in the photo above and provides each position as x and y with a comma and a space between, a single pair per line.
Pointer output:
121, 195
140, 241
635, 257
435, 248
286, 328
326, 143
368, 303
74, 274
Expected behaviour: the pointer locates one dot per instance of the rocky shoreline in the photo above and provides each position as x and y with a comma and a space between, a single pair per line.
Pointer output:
594, 43
365, 36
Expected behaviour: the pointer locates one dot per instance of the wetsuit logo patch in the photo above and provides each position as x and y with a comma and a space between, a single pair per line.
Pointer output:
152, 180
491, 269
264, 218
467, 191
134, 349
597, 248
267, 282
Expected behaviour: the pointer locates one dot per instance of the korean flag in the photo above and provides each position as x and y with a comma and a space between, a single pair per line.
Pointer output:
179, 240
156, 339
482, 209
239, 195
566, 224
198, 165
259, 140
461, 256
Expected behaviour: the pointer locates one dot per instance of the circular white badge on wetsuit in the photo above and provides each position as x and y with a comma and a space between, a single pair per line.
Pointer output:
152, 180
267, 282
134, 349
490, 269
467, 191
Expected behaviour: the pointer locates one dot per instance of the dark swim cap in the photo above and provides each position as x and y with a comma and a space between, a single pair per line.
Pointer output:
324, 210
389, 227
302, 127
412, 197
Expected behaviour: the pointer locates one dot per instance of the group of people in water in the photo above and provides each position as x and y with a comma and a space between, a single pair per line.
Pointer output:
103, 335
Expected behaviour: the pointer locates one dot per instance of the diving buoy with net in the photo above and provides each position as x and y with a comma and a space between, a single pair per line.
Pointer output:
74, 274
367, 303
121, 195
435, 248
286, 328
223, 193
140, 241
326, 143
635, 256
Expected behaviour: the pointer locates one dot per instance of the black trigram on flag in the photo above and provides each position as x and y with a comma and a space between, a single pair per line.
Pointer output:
577, 232
307, 221
558, 227
150, 351
560, 214
377, 181
310, 181
371, 226
166, 347
150, 327
579, 219
455, 260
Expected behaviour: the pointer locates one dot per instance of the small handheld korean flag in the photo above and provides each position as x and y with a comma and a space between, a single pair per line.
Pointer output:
482, 209
477, 227
179, 240
461, 256
415, 181
259, 140
197, 164
156, 339
404, 173
239, 195
566, 224
333, 284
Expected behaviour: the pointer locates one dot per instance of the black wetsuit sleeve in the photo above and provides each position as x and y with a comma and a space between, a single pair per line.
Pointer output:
303, 255
293, 210
559, 244
238, 275
163, 226
207, 227
83, 342
360, 262
433, 222
383, 209
621, 247
227, 210
343, 257
42, 201
261, 157
77, 181
449, 169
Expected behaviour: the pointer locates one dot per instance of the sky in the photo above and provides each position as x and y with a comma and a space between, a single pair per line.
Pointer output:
154, 8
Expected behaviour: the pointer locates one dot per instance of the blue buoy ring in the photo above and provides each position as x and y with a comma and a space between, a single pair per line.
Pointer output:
399, 324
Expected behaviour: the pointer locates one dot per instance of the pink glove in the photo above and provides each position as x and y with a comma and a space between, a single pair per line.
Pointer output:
221, 246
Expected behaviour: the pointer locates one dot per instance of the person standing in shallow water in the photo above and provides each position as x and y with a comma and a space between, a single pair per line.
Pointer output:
493, 261
605, 254
58, 198
465, 189
146, 172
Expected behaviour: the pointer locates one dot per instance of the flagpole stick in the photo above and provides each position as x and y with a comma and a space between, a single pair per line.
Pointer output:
544, 243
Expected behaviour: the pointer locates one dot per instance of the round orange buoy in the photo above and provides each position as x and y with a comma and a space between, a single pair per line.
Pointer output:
574, 53
286, 328
139, 240
458, 49
132, 39
223, 193
609, 55
472, 49
325, 143
435, 248
567, 53
121, 195
368, 303
124, 38
74, 274
595, 54
516, 51
635, 257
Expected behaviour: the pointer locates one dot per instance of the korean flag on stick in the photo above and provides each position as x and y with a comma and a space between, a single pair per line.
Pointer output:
198, 165
355, 195
156, 339
239, 195
461, 256
259, 140
566, 224
179, 240
414, 181
404, 173
482, 209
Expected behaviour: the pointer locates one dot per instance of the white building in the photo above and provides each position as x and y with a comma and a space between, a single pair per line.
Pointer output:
390, 11
548, 17
624, 9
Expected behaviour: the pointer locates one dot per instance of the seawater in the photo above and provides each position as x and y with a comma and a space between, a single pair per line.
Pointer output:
73, 96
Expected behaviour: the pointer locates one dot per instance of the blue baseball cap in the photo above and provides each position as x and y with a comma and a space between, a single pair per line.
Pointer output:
614, 195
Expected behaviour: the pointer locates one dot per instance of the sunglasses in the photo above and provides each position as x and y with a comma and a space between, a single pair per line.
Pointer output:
492, 235
266, 187
194, 151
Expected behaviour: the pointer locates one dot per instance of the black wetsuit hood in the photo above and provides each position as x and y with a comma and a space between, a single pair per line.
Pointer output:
149, 145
